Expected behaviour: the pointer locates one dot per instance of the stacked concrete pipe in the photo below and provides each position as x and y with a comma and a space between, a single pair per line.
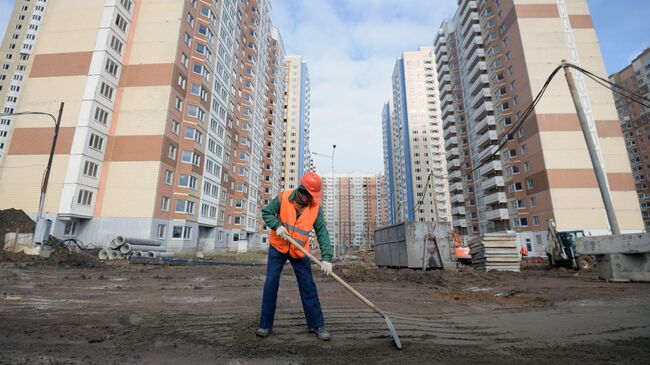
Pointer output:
124, 247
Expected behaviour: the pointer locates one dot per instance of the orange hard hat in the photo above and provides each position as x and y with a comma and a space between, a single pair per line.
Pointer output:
311, 181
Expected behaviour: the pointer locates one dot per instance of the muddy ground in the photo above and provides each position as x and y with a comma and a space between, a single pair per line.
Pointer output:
65, 313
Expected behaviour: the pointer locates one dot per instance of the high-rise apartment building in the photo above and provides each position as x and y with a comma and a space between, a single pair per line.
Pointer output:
497, 54
15, 59
355, 213
413, 140
635, 125
164, 130
296, 158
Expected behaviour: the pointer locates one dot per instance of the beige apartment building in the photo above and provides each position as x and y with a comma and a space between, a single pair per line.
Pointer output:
296, 159
15, 60
635, 125
414, 155
352, 204
163, 130
544, 171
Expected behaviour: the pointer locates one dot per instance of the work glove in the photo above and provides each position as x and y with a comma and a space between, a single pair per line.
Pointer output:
282, 232
326, 267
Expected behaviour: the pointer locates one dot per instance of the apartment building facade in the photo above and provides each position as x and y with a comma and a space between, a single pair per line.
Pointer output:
352, 206
163, 132
297, 157
16, 50
506, 49
414, 155
635, 125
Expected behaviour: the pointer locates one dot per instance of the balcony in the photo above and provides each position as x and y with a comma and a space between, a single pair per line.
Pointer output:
491, 167
456, 187
485, 123
447, 111
458, 211
487, 138
446, 100
473, 44
459, 222
480, 97
481, 81
451, 141
441, 58
471, 32
455, 176
467, 8
495, 198
497, 214
457, 199
491, 183
445, 90
483, 155
449, 131
485, 108
476, 71
449, 121
475, 57
451, 153
453, 165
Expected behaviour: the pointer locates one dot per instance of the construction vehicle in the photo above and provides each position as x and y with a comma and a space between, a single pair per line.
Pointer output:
461, 251
561, 248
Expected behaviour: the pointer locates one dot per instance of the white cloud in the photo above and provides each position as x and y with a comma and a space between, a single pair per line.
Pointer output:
351, 47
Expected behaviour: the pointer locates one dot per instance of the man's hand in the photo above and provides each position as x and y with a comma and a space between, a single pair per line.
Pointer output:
326, 267
282, 232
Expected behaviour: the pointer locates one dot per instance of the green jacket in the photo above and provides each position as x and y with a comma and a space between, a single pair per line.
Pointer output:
271, 213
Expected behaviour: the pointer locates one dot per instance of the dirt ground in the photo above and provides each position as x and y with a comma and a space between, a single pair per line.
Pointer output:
65, 312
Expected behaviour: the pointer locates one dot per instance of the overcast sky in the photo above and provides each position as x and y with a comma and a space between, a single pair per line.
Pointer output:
351, 47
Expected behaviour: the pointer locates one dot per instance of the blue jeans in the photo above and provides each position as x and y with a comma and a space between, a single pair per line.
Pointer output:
308, 292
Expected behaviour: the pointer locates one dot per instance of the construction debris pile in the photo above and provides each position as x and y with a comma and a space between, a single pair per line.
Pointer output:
495, 251
125, 247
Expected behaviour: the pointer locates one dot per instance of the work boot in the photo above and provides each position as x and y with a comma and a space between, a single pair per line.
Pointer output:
322, 333
263, 332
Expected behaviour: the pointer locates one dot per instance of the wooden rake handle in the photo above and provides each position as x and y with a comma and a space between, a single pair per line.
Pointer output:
337, 278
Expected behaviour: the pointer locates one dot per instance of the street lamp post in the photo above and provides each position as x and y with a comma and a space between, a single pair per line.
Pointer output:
331, 157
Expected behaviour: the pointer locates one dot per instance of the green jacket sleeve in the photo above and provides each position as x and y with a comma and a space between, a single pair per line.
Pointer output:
320, 226
271, 212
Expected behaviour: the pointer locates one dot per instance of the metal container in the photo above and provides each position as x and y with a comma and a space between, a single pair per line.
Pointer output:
415, 245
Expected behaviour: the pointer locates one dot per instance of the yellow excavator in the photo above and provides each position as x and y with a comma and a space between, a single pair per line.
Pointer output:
561, 248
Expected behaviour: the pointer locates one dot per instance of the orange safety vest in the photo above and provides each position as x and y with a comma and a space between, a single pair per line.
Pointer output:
524, 251
298, 228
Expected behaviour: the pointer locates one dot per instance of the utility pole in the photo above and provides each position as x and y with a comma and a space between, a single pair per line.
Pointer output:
591, 147
46, 179
336, 236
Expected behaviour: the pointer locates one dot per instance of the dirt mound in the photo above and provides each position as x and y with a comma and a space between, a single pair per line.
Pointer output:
12, 220
60, 256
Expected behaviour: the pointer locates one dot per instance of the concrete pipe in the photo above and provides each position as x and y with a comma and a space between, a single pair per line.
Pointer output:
119, 241
103, 254
120, 255
114, 245
130, 247
165, 254
149, 254
137, 253
112, 254
141, 241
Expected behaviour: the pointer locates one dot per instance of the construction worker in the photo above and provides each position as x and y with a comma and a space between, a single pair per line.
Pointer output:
294, 214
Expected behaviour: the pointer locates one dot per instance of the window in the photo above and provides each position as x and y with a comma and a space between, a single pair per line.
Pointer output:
187, 39
84, 197
169, 177
182, 81
96, 142
191, 133
179, 104
523, 222
70, 229
171, 153
184, 206
535, 220
529, 183
90, 169
164, 204
106, 91
526, 166
101, 116
116, 44
524, 149
121, 23
162, 230
111, 67
175, 127
533, 202
184, 60
183, 232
